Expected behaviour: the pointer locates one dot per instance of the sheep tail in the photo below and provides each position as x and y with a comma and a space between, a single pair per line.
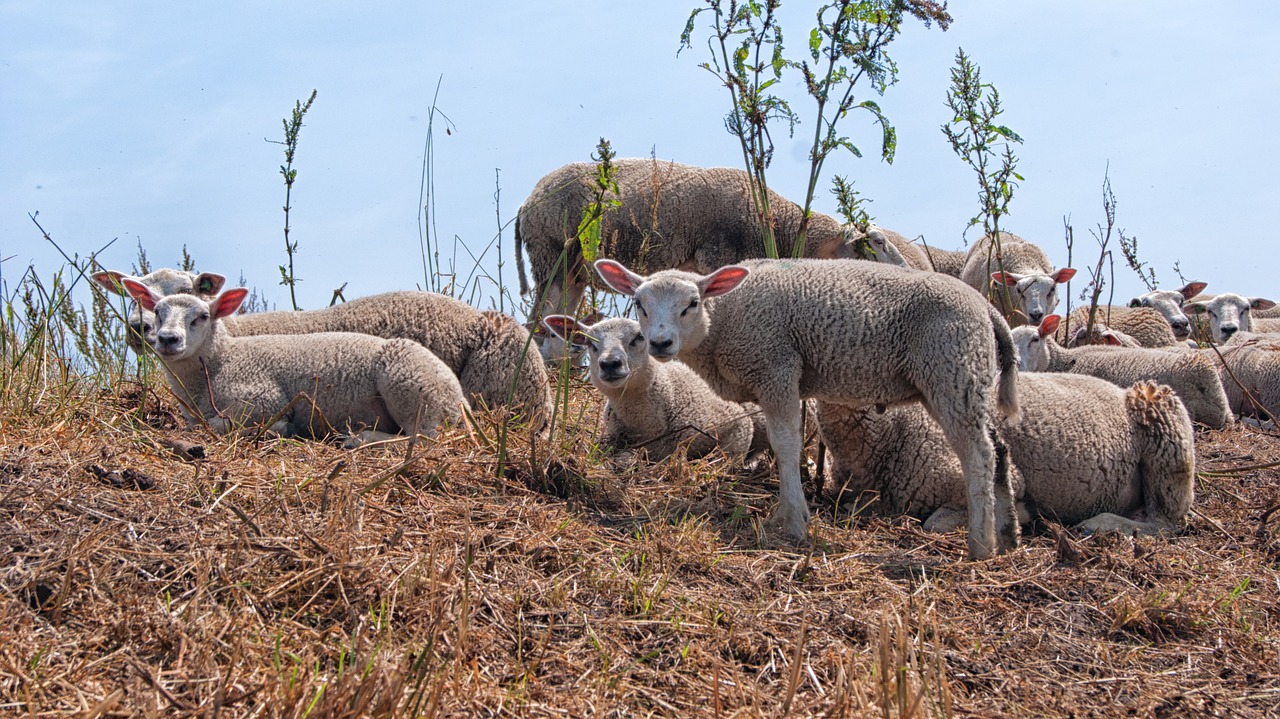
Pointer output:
1007, 399
524, 282
1168, 453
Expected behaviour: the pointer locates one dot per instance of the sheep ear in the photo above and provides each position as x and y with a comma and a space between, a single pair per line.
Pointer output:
144, 295
1005, 278
208, 283
1192, 289
566, 328
1049, 325
1135, 302
228, 302
1195, 308
1063, 275
617, 276
1259, 303
723, 280
1110, 338
110, 281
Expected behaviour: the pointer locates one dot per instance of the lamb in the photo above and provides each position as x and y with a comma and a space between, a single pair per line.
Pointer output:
809, 328
1228, 313
1146, 325
1169, 304
1192, 377
653, 405
1024, 285
487, 350
671, 216
1083, 452
368, 386
139, 322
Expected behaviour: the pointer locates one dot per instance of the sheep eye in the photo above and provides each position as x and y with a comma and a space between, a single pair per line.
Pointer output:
641, 308
637, 340
692, 305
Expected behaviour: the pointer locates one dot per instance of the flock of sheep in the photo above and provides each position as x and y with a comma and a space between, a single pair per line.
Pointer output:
942, 383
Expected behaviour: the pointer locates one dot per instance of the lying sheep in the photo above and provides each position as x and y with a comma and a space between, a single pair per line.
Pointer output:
139, 322
1144, 324
1169, 304
808, 328
363, 385
657, 406
1189, 374
1083, 452
948, 262
1228, 313
894, 249
1249, 366
1023, 286
671, 216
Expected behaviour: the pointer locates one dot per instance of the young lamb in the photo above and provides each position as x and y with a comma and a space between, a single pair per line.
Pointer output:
797, 329
1189, 374
1228, 313
671, 216
1083, 452
653, 405
1144, 324
140, 322
1024, 286
365, 386
1169, 304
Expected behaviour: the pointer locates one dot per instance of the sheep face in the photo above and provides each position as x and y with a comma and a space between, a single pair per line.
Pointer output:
1032, 344
619, 355
141, 322
671, 303
883, 248
1035, 295
1228, 313
184, 323
1169, 303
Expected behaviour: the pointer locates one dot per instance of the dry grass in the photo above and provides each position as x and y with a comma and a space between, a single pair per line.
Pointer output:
284, 578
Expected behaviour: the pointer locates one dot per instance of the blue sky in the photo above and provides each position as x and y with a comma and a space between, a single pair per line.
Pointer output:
148, 122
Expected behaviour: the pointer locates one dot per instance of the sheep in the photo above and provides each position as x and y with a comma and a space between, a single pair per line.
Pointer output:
1083, 452
1146, 325
654, 405
1169, 304
368, 386
894, 249
802, 328
670, 216
139, 322
1249, 365
1190, 375
948, 262
1228, 313
487, 350
1023, 285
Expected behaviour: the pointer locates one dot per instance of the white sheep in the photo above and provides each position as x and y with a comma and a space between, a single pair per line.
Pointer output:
1145, 325
1083, 452
653, 405
1228, 313
1020, 280
1189, 374
1169, 304
893, 248
948, 262
139, 322
362, 385
670, 216
1249, 366
797, 329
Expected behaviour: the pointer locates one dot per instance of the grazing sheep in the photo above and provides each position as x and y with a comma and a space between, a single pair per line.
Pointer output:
1249, 366
654, 405
1169, 304
948, 262
363, 385
165, 281
894, 249
1228, 313
1189, 374
797, 329
671, 216
1083, 452
1144, 324
1024, 287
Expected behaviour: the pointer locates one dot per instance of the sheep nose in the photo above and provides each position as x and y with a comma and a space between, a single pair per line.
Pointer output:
1227, 330
610, 365
1035, 317
660, 346
167, 339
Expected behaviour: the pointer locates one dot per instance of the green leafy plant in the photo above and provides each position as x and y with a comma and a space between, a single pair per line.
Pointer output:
604, 197
292, 126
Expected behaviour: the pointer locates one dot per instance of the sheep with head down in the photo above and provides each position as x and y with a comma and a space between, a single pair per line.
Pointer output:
774, 332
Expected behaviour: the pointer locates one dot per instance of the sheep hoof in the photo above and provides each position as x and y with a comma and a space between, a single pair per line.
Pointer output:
980, 547
794, 521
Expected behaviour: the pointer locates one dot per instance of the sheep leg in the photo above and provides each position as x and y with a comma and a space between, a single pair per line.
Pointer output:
783, 421
977, 459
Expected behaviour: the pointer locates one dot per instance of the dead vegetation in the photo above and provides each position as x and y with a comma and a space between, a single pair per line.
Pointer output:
152, 570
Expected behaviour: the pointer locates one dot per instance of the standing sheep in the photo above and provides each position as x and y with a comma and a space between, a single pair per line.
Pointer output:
805, 328
140, 322
1228, 313
1189, 374
1083, 452
1169, 304
1023, 286
363, 385
654, 405
670, 216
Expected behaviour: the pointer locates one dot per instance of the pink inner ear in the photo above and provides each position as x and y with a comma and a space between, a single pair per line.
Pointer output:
561, 326
1193, 288
1064, 275
617, 276
141, 293
723, 280
1004, 278
1111, 339
110, 280
1049, 325
228, 302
